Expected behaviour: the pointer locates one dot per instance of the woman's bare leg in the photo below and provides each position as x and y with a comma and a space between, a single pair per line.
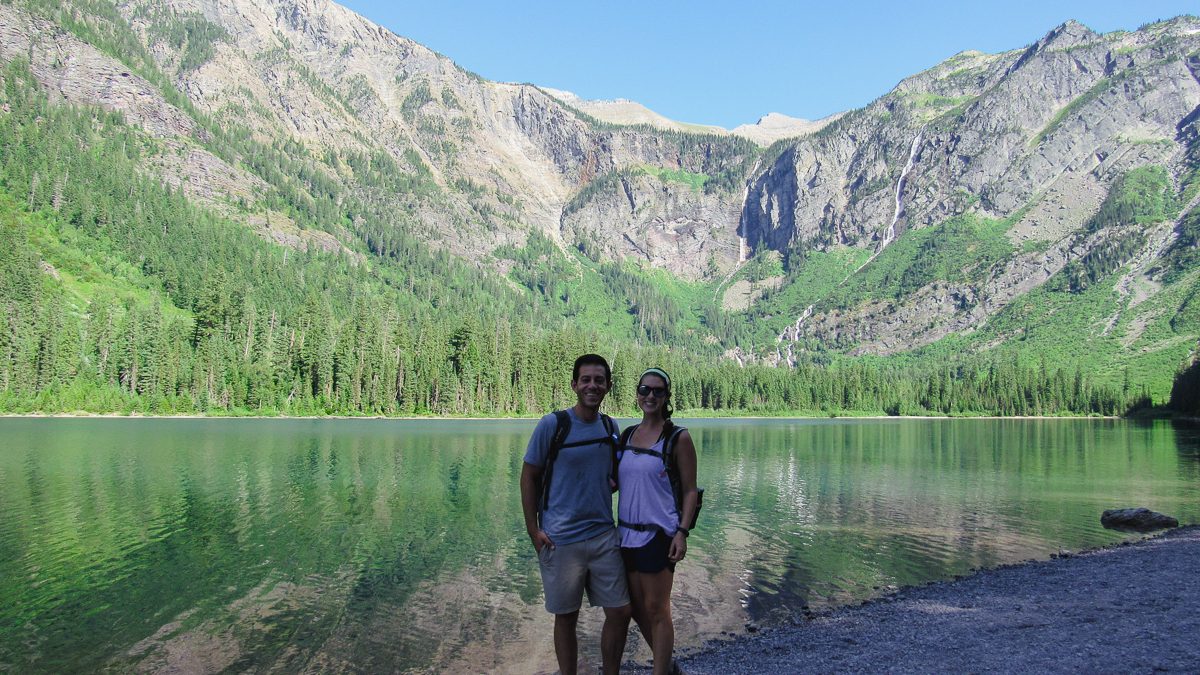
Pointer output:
651, 597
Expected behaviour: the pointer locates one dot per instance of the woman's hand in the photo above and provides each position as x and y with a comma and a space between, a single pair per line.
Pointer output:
678, 547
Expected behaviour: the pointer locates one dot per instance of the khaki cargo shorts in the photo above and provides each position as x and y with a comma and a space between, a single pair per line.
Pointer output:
593, 564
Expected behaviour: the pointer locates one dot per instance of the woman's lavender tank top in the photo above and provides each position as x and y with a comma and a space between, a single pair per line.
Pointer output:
646, 496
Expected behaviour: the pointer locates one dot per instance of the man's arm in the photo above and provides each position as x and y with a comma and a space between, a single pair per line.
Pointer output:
531, 491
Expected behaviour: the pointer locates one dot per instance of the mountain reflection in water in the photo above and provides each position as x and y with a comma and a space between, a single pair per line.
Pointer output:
363, 546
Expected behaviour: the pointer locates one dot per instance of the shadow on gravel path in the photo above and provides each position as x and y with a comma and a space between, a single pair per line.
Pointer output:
1132, 608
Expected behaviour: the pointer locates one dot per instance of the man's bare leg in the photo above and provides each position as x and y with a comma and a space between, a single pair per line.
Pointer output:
612, 637
566, 643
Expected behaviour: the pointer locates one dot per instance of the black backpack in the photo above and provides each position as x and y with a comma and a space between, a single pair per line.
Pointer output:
558, 442
671, 434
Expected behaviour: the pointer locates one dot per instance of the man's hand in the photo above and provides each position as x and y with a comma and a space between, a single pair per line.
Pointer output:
531, 487
678, 547
540, 541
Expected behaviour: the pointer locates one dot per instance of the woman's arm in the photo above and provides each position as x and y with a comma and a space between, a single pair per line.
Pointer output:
685, 460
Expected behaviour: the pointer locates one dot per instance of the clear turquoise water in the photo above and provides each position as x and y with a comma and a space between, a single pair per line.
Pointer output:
364, 546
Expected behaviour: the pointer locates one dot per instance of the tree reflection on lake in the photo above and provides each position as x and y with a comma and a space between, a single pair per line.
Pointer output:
138, 545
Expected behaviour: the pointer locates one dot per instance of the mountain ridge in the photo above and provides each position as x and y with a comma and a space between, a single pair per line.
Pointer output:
1070, 164
768, 129
970, 198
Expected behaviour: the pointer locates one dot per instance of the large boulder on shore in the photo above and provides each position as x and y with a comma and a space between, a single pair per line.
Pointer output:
1136, 520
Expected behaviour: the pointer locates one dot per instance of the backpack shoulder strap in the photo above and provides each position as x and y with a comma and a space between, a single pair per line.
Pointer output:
671, 434
561, 431
618, 451
614, 449
626, 435
609, 425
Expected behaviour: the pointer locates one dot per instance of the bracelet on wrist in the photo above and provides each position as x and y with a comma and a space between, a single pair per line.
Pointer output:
683, 530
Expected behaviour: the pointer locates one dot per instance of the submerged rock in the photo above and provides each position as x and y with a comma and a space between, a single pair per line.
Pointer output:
1136, 520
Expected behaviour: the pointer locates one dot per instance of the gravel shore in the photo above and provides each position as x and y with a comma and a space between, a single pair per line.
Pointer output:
1132, 608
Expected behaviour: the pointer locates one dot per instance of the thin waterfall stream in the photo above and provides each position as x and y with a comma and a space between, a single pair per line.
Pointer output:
792, 333
889, 234
741, 237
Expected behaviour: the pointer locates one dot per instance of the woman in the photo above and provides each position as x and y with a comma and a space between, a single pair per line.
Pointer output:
652, 539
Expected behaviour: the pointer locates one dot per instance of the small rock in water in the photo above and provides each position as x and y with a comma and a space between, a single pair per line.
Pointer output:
751, 628
1136, 520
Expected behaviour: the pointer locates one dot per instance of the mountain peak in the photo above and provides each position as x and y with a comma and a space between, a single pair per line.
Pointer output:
775, 126
1069, 34
625, 111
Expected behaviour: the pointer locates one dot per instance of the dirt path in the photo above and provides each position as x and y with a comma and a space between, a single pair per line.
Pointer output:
1133, 608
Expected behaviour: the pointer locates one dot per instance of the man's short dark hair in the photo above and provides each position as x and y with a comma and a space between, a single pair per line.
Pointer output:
591, 360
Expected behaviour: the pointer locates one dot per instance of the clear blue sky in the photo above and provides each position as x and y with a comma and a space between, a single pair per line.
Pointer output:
731, 63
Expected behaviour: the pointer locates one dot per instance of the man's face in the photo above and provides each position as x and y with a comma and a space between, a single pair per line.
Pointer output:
591, 386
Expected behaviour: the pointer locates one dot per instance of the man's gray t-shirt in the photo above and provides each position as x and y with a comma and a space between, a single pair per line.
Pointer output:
580, 505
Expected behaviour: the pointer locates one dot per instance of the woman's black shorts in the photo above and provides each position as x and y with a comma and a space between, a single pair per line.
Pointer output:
651, 558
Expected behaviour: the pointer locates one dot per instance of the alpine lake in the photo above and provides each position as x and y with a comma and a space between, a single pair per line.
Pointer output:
381, 546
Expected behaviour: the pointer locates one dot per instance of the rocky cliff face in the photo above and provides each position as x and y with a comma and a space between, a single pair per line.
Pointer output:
665, 223
506, 158
1033, 137
1030, 141
317, 72
992, 129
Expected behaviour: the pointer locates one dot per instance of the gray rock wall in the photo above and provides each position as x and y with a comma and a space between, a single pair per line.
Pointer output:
1032, 132
1033, 135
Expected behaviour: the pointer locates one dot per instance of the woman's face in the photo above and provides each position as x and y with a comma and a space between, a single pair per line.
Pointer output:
650, 402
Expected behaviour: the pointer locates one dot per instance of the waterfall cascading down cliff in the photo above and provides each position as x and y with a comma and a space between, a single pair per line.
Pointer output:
792, 333
889, 234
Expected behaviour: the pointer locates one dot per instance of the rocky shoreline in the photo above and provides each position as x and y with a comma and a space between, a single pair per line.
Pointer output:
1128, 608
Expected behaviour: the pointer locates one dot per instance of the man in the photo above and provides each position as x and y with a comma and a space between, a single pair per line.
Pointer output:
571, 523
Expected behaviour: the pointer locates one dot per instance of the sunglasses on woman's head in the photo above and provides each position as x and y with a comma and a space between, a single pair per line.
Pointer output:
646, 390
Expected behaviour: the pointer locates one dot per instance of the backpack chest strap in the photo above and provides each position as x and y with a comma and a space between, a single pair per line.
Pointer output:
601, 441
645, 451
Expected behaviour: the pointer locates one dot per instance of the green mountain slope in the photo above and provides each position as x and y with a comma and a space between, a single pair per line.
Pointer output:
253, 214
